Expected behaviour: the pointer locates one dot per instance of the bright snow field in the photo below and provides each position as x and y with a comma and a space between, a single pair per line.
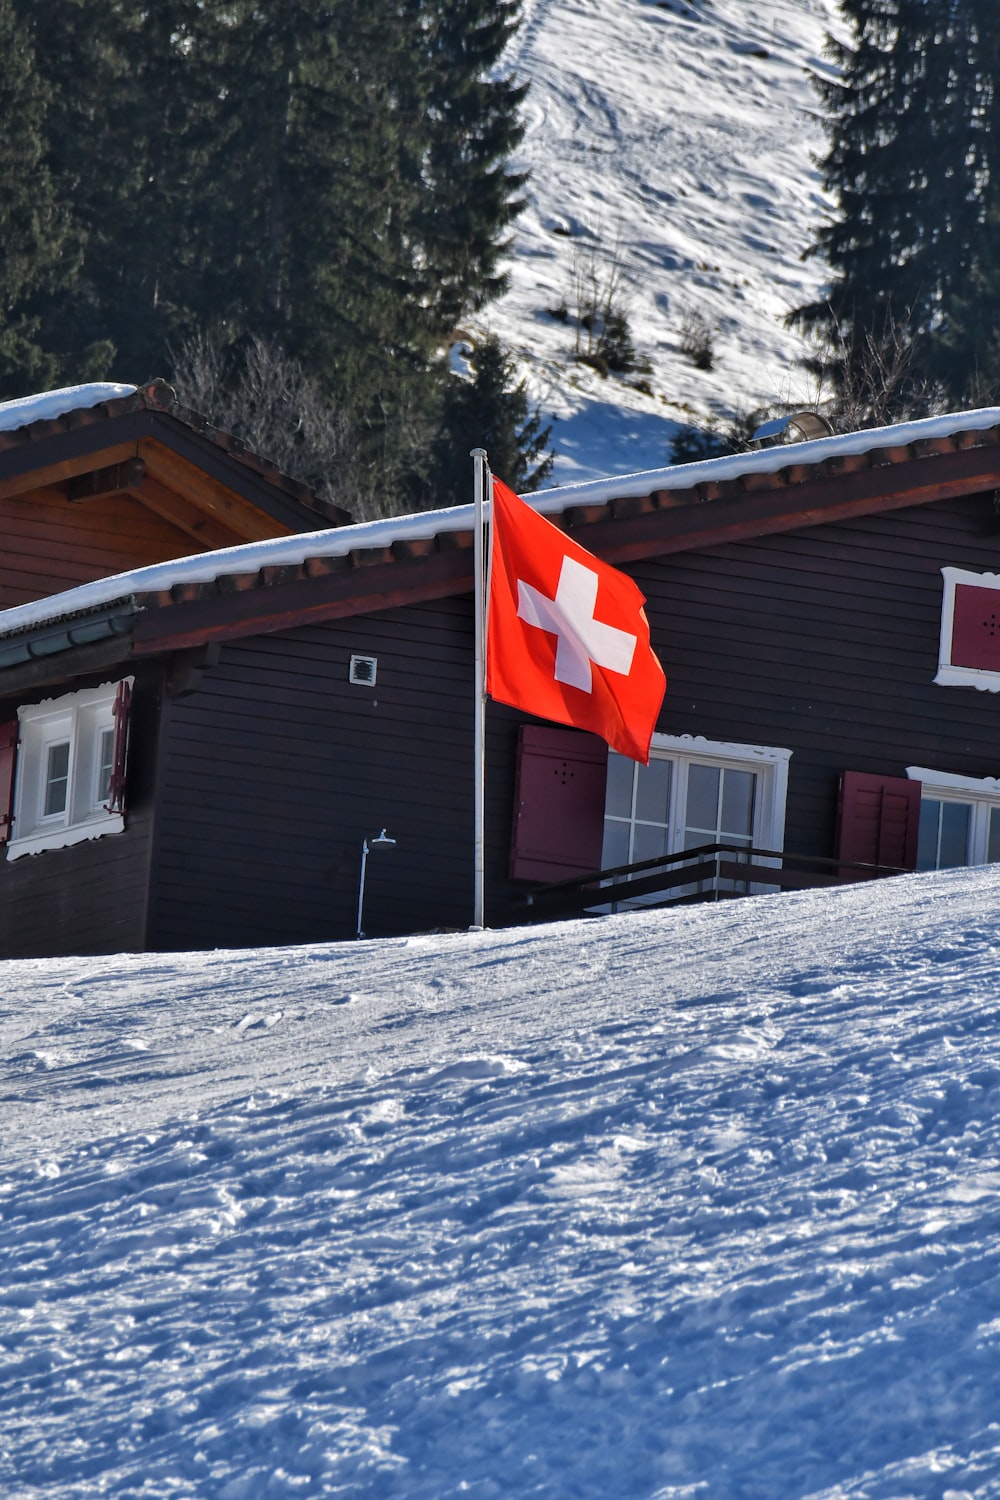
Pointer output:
672, 146
664, 1204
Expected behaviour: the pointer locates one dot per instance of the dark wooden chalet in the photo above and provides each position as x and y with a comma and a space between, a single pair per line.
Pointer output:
98, 479
828, 615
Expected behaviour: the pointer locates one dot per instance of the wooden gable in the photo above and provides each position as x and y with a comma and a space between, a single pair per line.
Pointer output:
132, 482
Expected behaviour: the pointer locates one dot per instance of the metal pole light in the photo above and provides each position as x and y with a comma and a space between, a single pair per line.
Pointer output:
382, 841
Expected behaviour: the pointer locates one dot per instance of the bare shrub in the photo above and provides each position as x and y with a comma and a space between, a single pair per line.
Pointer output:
874, 377
698, 340
266, 399
601, 313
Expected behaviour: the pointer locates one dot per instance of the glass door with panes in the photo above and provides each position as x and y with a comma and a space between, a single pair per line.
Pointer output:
676, 803
720, 810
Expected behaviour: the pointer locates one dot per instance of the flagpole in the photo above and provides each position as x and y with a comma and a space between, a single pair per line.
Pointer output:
479, 747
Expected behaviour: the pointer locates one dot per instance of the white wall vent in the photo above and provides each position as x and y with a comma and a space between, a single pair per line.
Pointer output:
363, 670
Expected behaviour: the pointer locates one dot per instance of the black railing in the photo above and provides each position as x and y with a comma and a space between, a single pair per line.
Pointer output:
710, 872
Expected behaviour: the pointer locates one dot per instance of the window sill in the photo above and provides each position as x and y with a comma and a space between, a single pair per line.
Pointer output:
61, 838
974, 677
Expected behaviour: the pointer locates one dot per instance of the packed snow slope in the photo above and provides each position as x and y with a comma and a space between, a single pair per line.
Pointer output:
701, 1203
672, 145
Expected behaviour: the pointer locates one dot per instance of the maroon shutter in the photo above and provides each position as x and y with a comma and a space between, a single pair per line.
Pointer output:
878, 820
558, 804
8, 759
122, 710
975, 631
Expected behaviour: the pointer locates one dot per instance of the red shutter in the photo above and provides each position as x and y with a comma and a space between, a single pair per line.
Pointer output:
8, 759
975, 631
122, 710
558, 804
878, 820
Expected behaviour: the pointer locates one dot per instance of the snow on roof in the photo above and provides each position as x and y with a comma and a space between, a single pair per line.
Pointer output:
291, 551
766, 460
48, 405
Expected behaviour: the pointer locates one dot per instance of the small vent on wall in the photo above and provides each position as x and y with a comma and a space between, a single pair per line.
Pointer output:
363, 670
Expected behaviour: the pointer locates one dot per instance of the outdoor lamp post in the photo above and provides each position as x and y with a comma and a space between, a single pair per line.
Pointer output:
383, 841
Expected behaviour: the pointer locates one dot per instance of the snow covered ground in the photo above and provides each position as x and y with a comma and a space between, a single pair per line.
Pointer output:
675, 140
701, 1203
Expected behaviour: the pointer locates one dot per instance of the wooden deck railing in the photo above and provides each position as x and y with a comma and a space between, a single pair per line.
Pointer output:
710, 872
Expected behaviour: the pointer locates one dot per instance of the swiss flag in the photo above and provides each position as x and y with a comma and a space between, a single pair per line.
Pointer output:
567, 637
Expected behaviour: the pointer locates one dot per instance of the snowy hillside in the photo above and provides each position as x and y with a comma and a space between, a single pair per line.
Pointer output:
702, 1203
674, 139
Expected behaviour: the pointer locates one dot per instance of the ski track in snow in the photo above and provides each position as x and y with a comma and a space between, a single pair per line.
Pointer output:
681, 139
691, 1203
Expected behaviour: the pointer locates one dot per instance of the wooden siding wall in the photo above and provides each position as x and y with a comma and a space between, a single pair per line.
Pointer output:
825, 641
90, 898
48, 544
269, 773
276, 769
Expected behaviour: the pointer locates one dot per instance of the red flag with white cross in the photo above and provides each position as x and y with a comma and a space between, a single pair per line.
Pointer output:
567, 636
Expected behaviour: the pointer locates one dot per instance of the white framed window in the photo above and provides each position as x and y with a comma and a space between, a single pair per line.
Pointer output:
969, 650
693, 792
65, 766
959, 819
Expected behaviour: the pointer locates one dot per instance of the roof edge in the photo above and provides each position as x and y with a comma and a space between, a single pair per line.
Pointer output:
675, 488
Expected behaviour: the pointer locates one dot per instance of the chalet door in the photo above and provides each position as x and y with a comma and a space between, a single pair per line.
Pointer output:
676, 803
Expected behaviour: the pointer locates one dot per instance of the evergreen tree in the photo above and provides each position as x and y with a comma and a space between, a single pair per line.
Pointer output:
305, 237
33, 229
490, 411
913, 164
116, 130
363, 188
325, 176
969, 346
470, 127
373, 195
303, 192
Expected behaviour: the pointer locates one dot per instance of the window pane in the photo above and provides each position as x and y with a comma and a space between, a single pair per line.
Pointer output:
703, 799
56, 779
954, 846
993, 843
615, 851
649, 842
618, 802
737, 804
652, 791
106, 760
927, 839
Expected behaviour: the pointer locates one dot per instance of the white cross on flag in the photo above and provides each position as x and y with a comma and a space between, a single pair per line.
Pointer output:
567, 636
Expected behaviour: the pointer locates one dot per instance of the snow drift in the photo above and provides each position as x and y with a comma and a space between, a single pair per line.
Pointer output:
664, 1204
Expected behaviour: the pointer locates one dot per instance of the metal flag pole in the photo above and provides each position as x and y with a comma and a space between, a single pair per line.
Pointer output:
479, 746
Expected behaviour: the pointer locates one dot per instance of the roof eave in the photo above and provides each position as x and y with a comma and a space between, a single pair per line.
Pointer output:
154, 411
383, 571
625, 530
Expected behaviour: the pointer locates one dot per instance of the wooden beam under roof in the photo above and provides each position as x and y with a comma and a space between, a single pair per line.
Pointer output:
57, 474
109, 471
208, 494
165, 502
100, 483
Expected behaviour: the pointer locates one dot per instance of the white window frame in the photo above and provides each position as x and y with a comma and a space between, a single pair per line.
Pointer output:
768, 762
82, 718
949, 675
981, 793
